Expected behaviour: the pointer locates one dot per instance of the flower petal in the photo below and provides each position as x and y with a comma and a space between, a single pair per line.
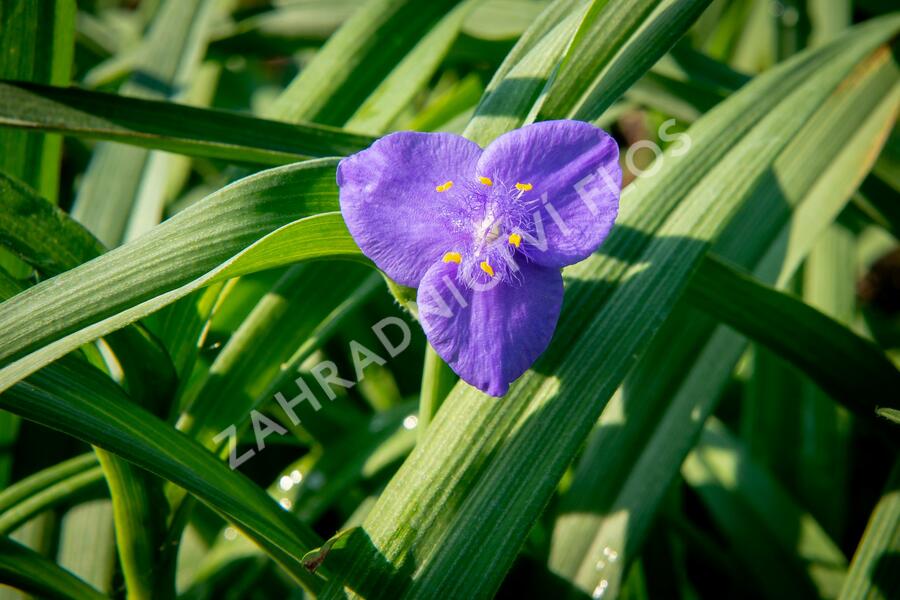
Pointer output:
573, 172
490, 336
390, 204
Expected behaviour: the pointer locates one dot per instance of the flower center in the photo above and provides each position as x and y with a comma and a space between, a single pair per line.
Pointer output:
490, 218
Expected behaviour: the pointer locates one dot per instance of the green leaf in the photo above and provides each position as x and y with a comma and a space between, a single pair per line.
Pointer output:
690, 363
86, 543
890, 414
616, 43
477, 450
823, 466
139, 512
400, 86
169, 126
850, 368
37, 45
437, 381
40, 233
872, 571
232, 232
281, 332
64, 483
85, 404
766, 528
314, 558
49, 240
122, 181
518, 82
30, 572
357, 58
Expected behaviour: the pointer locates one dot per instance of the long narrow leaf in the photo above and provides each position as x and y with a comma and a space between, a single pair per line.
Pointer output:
170, 126
27, 570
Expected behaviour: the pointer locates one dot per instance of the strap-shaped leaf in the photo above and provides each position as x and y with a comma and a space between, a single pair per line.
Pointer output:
357, 58
86, 404
871, 572
781, 544
675, 386
616, 43
64, 482
847, 366
477, 450
170, 126
213, 240
37, 44
124, 189
25, 569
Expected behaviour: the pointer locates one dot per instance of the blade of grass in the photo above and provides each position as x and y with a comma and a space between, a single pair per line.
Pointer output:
282, 331
33, 484
417, 67
166, 63
139, 511
63, 490
515, 87
616, 43
86, 546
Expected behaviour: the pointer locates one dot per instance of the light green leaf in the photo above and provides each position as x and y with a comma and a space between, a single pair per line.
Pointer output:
357, 58
64, 483
666, 406
86, 545
615, 44
413, 72
287, 325
211, 241
40, 233
119, 178
477, 449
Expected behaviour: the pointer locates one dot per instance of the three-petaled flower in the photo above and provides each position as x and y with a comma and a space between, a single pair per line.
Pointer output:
483, 234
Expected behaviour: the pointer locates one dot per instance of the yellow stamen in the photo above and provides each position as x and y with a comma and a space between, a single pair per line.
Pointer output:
444, 186
524, 187
486, 180
452, 257
487, 268
515, 239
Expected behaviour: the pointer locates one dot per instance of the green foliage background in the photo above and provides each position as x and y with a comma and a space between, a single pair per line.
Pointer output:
716, 417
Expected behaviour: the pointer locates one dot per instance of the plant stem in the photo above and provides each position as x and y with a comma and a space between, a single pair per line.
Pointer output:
437, 379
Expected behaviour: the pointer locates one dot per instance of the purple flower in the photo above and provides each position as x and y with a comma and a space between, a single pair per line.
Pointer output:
483, 234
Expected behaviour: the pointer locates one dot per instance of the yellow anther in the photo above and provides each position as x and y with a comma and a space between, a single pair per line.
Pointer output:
454, 257
515, 239
487, 268
486, 180
524, 187
444, 186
